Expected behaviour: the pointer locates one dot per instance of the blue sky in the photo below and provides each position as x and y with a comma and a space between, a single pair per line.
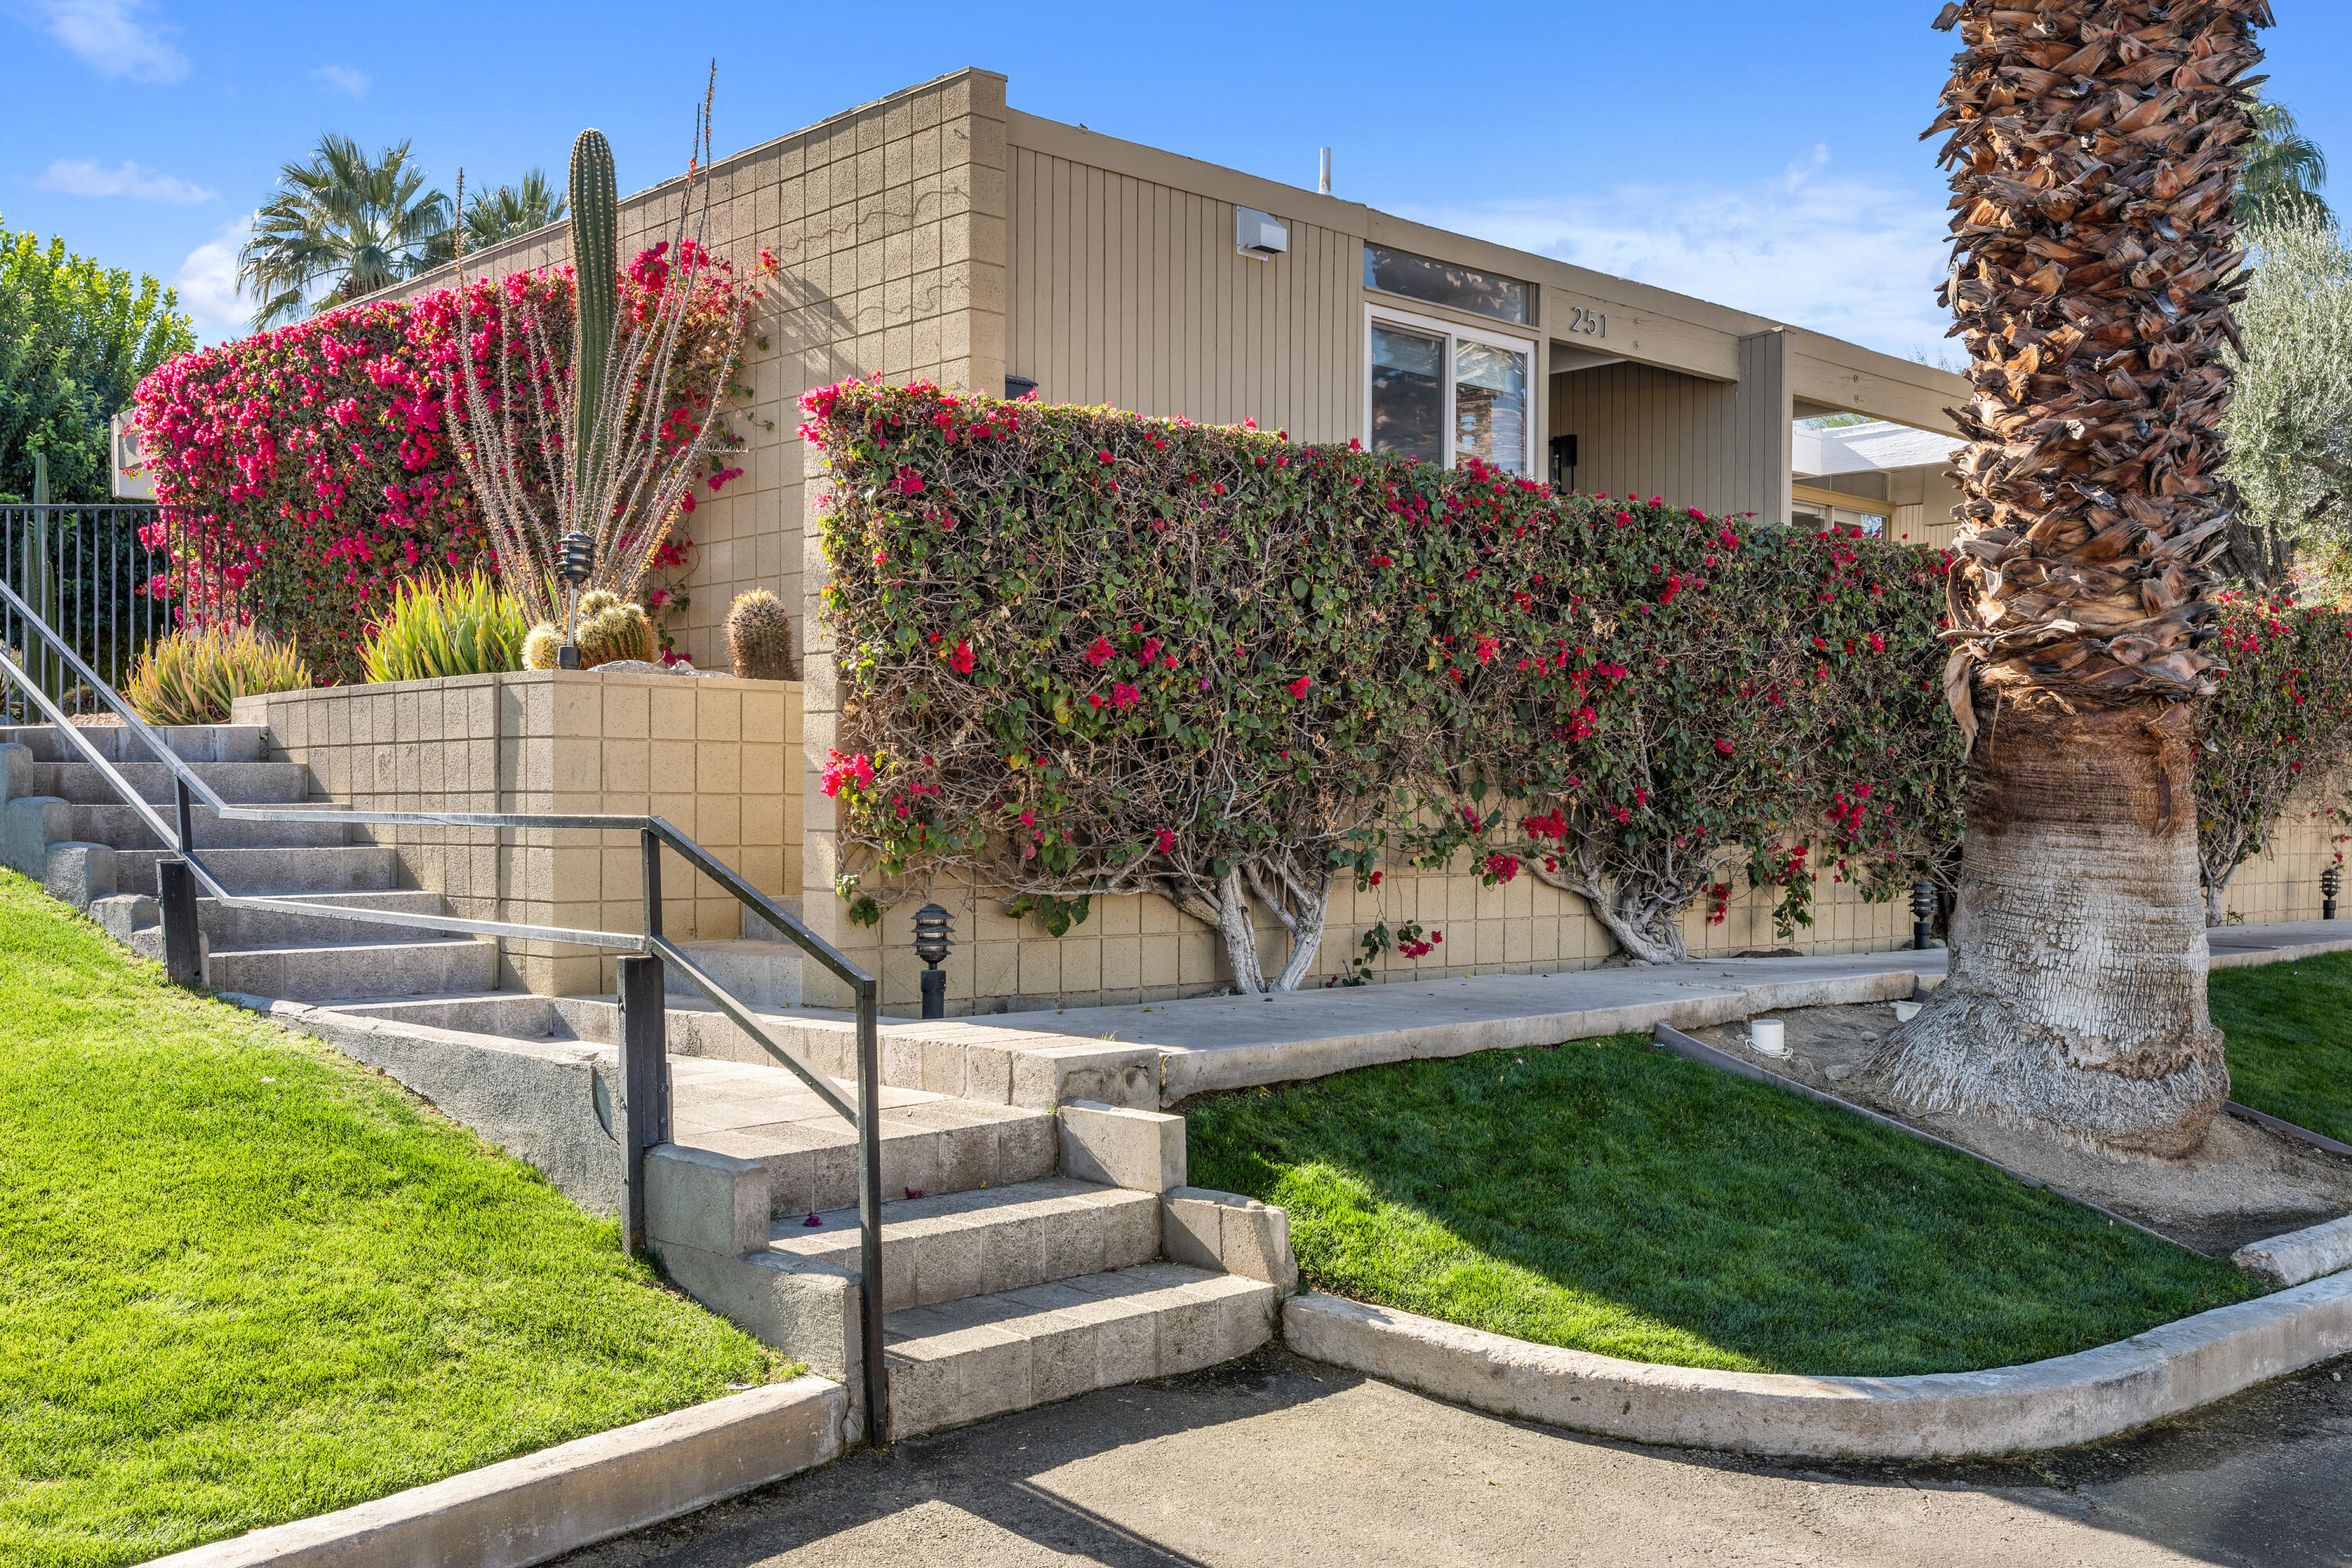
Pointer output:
1764, 155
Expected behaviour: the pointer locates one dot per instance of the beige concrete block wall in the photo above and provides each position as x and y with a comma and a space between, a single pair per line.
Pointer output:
719, 758
2283, 882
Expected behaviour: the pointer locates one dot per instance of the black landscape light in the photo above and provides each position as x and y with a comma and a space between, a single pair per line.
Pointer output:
933, 928
1924, 902
2331, 882
575, 558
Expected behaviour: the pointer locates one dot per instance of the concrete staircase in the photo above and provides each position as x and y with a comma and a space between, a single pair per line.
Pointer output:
1031, 1251
62, 820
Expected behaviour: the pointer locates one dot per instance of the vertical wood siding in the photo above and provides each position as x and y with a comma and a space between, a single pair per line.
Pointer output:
1124, 292
1653, 431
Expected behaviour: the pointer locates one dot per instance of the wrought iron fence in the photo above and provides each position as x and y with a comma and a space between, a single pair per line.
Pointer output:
109, 579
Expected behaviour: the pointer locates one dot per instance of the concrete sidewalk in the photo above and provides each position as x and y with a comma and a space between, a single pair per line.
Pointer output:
1276, 1462
1211, 1043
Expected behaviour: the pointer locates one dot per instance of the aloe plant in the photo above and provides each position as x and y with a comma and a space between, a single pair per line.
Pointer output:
445, 627
193, 676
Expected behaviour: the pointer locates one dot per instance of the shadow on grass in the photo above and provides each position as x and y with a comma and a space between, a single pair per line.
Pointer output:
1606, 1197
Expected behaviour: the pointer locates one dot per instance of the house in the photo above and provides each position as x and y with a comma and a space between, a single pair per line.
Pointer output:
941, 234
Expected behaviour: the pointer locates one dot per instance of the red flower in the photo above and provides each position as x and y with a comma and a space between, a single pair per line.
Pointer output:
1100, 653
1724, 747
1167, 842
1298, 687
1502, 867
962, 661
908, 483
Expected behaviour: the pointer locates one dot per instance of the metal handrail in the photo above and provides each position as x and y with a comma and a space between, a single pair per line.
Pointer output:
189, 787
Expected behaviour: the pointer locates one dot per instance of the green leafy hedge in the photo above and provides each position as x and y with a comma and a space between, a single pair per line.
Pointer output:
1085, 652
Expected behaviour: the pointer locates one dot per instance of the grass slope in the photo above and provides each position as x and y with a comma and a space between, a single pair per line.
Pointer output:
2290, 1028
1607, 1197
243, 1281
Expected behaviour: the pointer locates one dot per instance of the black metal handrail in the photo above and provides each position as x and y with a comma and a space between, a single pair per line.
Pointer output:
642, 1024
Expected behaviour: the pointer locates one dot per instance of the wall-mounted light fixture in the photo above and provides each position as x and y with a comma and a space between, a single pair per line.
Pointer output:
1260, 236
1018, 387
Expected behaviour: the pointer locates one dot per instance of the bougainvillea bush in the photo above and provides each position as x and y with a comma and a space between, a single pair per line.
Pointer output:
2278, 733
1082, 652
307, 470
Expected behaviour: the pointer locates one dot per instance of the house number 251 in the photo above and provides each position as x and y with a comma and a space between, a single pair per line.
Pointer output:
1592, 323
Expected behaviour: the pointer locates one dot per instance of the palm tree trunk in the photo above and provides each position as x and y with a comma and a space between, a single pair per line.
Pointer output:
2076, 997
2095, 148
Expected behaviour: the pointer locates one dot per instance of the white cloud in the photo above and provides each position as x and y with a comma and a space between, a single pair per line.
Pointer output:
116, 38
345, 80
1845, 256
207, 284
82, 177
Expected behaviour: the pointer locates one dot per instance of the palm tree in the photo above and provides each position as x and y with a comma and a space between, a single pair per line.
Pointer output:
503, 214
2095, 150
340, 225
2284, 169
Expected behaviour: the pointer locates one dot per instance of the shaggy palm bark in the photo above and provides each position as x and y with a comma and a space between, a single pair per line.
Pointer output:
2094, 148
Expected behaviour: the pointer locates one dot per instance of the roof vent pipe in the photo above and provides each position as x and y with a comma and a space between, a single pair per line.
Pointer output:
1325, 186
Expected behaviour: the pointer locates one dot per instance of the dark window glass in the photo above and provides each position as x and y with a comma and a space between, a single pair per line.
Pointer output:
1408, 393
1419, 278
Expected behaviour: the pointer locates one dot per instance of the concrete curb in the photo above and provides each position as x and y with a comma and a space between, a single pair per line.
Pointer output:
2053, 1403
542, 1505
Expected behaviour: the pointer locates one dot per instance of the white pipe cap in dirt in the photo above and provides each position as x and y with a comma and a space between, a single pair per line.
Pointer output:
1769, 1037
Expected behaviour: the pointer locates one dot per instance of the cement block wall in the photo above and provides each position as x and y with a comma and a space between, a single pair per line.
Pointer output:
719, 758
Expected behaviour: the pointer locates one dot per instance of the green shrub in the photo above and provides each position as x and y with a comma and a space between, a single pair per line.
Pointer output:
190, 678
447, 626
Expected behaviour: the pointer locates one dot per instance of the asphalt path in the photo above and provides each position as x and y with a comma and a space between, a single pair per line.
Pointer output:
1274, 1462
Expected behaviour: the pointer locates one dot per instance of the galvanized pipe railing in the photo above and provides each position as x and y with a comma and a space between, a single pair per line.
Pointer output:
644, 1076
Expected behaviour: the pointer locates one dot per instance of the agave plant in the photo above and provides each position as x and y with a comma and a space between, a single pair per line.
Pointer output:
193, 676
447, 626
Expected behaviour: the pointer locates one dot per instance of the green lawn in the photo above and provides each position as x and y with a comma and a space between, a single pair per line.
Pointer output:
2290, 1028
243, 1281
1607, 1196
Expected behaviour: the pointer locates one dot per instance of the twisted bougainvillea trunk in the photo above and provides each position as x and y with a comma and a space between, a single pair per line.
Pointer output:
2094, 148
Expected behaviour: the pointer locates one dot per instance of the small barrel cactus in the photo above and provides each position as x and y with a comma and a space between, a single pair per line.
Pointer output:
760, 636
612, 629
539, 647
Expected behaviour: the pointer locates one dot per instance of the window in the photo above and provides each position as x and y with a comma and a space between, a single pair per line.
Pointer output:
1441, 283
1441, 394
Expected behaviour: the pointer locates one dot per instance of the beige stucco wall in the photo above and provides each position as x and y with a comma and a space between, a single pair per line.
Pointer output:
715, 756
2283, 882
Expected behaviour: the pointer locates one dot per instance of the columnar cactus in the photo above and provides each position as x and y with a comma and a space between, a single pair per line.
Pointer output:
760, 636
595, 261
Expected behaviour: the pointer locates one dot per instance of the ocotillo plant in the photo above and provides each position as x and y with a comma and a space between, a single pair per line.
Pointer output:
640, 425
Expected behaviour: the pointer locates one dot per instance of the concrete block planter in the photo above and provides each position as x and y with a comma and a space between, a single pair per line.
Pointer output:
2053, 1403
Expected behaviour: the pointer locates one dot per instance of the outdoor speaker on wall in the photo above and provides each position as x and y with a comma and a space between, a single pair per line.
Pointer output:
1260, 235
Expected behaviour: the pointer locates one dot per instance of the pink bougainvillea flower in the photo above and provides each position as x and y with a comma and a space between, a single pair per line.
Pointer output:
962, 661
1167, 842
1100, 653
1123, 695
908, 482
1298, 687
1726, 747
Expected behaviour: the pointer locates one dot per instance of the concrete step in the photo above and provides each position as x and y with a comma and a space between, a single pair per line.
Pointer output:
338, 971
344, 868
240, 783
945, 1246
121, 826
961, 1362
930, 1145
760, 974
229, 929
118, 743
